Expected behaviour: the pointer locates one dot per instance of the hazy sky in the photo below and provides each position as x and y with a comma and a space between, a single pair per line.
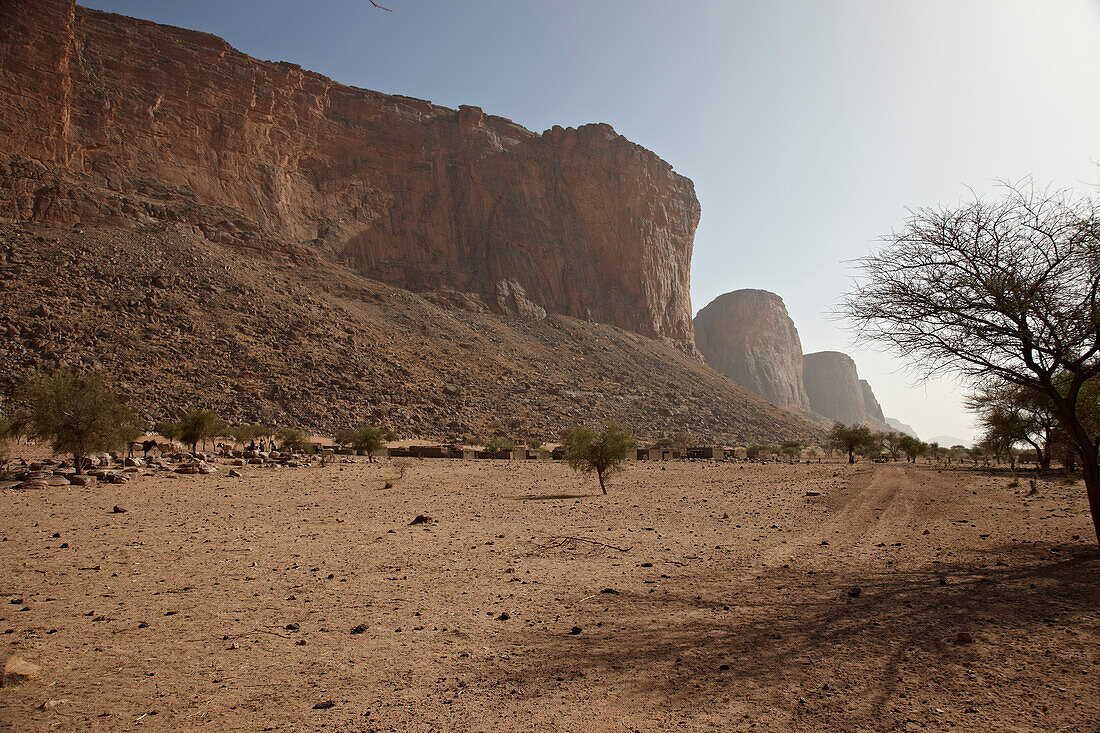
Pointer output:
807, 127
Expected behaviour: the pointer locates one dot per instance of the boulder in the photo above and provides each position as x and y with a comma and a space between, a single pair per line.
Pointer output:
17, 670
196, 467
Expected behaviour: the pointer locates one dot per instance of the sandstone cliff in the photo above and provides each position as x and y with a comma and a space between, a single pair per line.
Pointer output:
110, 120
748, 336
836, 391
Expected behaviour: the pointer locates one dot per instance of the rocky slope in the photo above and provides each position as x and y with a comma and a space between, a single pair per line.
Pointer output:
111, 120
748, 336
285, 338
836, 391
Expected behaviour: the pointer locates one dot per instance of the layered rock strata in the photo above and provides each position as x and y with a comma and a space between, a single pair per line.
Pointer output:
106, 119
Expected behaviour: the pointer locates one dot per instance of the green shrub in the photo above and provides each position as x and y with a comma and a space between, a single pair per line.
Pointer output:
497, 445
78, 413
602, 453
294, 439
196, 425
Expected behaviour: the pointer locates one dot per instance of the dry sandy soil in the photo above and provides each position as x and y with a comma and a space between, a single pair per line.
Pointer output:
721, 599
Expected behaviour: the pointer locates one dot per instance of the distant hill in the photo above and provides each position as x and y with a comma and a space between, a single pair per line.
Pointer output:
949, 440
901, 427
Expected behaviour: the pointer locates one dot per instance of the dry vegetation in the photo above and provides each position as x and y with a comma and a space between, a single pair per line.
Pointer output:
695, 596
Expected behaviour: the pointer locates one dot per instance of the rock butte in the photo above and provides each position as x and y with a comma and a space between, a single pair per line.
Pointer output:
837, 392
111, 120
748, 336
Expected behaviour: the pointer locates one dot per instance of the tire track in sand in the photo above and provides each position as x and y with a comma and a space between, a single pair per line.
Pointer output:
873, 514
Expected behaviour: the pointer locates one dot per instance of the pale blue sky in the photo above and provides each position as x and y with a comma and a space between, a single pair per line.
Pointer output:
807, 127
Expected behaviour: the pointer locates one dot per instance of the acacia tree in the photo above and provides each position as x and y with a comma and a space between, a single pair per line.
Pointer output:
1007, 410
168, 430
913, 448
893, 442
791, 449
78, 413
1004, 290
294, 439
195, 425
602, 453
370, 439
1000, 445
852, 439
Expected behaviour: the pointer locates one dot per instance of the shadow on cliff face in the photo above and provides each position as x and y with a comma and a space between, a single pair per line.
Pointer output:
798, 644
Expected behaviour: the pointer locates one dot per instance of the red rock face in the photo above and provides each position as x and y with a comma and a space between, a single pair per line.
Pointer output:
107, 119
748, 336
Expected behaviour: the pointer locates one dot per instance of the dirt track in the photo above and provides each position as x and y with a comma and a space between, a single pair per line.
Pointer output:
728, 610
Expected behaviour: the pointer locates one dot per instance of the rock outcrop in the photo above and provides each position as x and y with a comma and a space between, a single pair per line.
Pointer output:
871, 405
108, 120
836, 391
748, 336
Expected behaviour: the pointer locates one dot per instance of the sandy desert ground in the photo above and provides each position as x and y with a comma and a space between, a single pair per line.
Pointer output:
723, 597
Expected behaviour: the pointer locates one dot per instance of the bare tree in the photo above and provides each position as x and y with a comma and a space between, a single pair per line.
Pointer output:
1003, 290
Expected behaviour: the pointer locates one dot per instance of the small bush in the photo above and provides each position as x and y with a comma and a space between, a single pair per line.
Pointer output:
497, 445
601, 453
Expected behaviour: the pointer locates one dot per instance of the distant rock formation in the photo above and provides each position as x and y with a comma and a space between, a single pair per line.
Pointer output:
108, 120
871, 405
836, 391
748, 336
901, 427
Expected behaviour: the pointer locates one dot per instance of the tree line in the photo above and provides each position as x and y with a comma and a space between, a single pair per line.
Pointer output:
80, 415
